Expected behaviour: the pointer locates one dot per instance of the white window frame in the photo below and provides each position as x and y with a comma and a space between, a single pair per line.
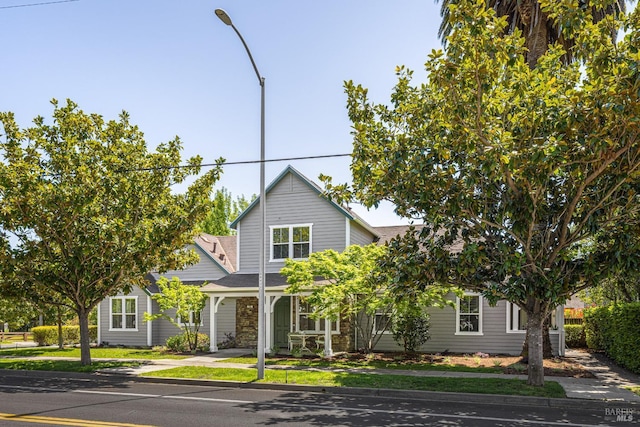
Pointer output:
458, 314
291, 242
123, 314
191, 323
319, 323
381, 313
510, 307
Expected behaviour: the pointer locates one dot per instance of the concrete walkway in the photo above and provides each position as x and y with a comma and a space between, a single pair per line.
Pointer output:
609, 384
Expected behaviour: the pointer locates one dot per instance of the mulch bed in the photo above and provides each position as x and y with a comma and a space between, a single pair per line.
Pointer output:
558, 366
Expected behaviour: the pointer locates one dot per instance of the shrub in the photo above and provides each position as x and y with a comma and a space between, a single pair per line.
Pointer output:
595, 323
229, 341
177, 343
411, 329
574, 336
180, 343
614, 329
48, 335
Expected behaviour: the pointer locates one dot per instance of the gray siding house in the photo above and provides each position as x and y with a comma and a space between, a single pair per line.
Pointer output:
120, 317
299, 221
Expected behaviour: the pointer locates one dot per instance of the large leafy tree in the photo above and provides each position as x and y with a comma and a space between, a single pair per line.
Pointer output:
536, 23
540, 28
623, 288
16, 312
223, 212
90, 210
35, 301
526, 177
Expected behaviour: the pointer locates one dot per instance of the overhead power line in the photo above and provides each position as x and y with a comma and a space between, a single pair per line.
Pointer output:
241, 162
37, 4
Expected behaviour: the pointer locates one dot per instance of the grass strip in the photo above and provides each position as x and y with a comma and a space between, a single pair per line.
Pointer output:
364, 364
61, 365
636, 390
97, 352
513, 387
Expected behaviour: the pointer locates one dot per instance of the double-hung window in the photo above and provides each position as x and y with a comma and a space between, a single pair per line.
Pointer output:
517, 319
309, 325
124, 313
290, 241
195, 318
382, 321
469, 314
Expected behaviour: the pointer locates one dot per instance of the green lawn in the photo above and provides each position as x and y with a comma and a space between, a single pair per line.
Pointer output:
636, 390
60, 365
344, 379
98, 353
11, 359
364, 364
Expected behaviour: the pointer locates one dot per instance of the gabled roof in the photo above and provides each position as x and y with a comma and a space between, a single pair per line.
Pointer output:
315, 188
388, 232
222, 250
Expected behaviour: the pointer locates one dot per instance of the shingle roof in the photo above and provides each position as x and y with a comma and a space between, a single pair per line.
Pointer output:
389, 232
153, 288
222, 249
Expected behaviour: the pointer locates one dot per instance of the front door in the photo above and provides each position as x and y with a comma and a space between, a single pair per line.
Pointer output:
282, 322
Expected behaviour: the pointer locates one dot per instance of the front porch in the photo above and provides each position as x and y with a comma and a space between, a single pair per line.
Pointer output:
282, 318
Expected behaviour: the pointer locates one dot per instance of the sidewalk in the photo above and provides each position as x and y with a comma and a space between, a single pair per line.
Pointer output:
607, 386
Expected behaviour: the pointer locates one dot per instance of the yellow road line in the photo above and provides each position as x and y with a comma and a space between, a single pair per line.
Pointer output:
64, 421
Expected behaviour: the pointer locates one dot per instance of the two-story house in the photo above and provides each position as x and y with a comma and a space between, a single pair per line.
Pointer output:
299, 221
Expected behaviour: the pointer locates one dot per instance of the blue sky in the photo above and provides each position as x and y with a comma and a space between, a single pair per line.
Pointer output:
178, 70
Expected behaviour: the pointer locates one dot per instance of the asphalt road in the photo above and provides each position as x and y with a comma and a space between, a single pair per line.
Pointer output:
87, 401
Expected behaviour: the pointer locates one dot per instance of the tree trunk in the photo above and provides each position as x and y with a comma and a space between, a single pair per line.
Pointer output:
85, 341
534, 331
59, 321
538, 35
547, 350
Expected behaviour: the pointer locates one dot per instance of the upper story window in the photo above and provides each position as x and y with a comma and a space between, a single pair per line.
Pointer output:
290, 241
469, 314
124, 313
517, 319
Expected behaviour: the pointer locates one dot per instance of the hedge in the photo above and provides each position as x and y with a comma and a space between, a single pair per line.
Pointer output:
574, 336
614, 329
48, 335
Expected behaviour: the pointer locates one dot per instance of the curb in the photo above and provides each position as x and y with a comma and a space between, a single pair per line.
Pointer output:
339, 391
439, 396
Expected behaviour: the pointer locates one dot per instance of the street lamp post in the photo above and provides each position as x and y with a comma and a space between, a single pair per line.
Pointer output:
263, 209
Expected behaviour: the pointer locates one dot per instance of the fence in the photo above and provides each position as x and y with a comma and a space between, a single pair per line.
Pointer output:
9, 335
